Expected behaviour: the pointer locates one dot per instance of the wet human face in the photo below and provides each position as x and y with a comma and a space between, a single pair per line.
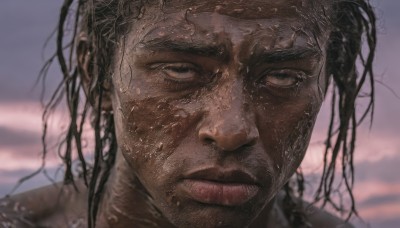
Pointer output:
214, 105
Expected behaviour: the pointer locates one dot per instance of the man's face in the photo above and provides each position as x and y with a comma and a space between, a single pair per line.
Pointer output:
214, 105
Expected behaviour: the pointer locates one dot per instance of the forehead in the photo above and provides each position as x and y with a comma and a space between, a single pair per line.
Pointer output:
241, 20
242, 9
250, 8
309, 11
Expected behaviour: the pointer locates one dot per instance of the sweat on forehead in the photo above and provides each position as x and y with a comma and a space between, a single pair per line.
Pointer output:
249, 9
313, 14
243, 9
208, 22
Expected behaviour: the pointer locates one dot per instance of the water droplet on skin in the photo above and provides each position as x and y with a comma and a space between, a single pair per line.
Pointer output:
76, 223
286, 153
113, 219
181, 114
16, 207
160, 146
137, 91
238, 11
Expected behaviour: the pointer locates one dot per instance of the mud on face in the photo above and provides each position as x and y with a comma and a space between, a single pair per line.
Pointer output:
215, 103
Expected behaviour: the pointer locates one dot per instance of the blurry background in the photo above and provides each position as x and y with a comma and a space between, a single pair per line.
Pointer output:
24, 28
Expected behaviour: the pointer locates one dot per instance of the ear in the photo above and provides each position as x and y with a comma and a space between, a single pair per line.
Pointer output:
88, 72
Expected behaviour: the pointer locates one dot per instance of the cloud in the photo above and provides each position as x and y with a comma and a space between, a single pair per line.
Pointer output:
376, 223
21, 132
380, 200
11, 137
381, 212
386, 223
376, 190
25, 27
386, 170
9, 179
21, 116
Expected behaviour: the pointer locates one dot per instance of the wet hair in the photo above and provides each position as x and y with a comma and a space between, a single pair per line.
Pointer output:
352, 39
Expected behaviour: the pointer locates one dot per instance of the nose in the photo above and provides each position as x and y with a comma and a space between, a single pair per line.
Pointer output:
229, 126
228, 135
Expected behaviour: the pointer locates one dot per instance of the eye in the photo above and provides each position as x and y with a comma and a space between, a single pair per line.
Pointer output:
180, 72
180, 76
283, 78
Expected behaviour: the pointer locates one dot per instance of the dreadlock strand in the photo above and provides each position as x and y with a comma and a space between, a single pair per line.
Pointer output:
78, 142
346, 48
93, 203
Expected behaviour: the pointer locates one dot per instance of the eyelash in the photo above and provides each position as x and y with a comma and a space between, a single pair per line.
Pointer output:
281, 74
180, 68
173, 77
166, 71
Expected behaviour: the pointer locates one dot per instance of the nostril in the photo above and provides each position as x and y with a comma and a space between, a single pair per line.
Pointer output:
208, 140
251, 142
229, 137
228, 140
205, 136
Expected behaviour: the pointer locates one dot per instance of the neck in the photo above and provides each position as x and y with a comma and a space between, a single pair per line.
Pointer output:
126, 202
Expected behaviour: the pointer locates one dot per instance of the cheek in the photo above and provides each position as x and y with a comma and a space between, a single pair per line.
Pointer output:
149, 131
296, 143
285, 132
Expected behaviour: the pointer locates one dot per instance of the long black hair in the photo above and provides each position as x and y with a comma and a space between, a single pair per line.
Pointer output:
105, 21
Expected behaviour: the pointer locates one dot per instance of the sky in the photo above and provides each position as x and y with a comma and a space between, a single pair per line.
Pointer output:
25, 26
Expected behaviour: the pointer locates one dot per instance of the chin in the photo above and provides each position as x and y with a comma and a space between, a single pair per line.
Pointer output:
199, 215
216, 219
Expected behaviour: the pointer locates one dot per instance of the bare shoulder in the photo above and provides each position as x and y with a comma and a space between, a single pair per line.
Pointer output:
55, 205
312, 215
321, 218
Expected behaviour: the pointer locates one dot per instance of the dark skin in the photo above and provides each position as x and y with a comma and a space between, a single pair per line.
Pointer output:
214, 106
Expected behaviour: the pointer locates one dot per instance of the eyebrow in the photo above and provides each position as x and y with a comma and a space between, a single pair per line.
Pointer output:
195, 48
221, 51
285, 55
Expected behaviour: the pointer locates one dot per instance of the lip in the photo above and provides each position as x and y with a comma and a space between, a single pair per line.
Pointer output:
217, 186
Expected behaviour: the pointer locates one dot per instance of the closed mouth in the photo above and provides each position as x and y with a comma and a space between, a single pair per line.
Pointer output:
222, 187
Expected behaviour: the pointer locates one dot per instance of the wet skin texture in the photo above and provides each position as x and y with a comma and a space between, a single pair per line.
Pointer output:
214, 107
